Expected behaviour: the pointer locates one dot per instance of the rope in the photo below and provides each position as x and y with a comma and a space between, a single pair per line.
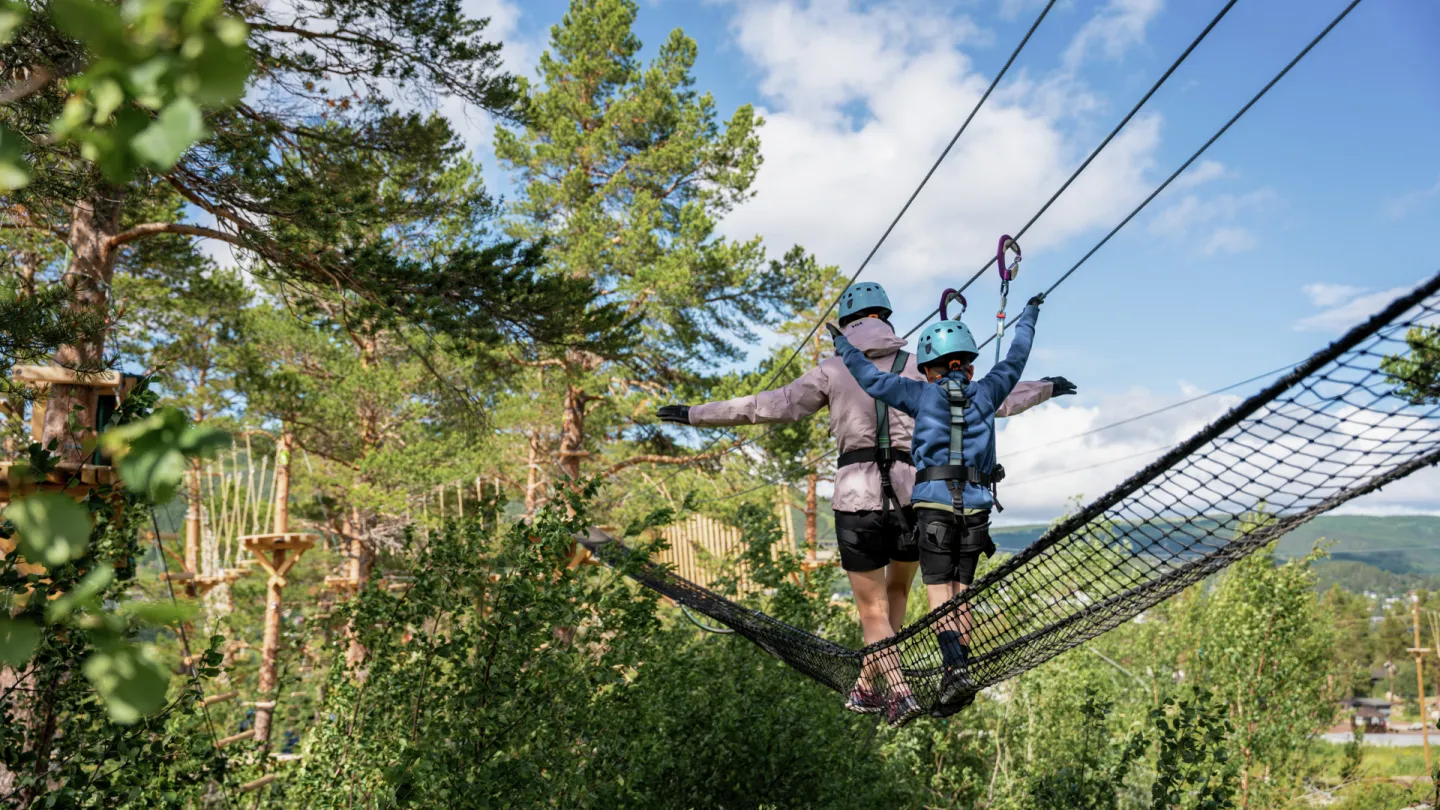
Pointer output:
1094, 153
884, 236
707, 628
1196, 155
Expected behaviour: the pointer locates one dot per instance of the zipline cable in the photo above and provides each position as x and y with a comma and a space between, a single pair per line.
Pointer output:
1096, 151
1196, 156
893, 223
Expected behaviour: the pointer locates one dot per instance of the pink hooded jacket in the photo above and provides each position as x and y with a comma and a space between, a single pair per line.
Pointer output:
852, 412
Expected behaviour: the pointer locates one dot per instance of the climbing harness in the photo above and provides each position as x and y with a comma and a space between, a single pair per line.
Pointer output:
1007, 274
882, 453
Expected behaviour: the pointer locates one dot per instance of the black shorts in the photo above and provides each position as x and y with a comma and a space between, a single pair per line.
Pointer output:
946, 556
870, 540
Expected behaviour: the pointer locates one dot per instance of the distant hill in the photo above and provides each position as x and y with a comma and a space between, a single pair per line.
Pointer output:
1387, 555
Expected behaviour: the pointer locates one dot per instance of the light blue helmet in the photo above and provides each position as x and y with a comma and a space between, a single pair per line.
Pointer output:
864, 296
942, 338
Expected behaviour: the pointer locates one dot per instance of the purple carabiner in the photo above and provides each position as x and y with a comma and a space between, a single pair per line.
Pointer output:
1008, 242
946, 297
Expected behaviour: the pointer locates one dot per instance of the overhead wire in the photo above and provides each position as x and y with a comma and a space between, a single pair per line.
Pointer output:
1094, 153
1198, 152
888, 230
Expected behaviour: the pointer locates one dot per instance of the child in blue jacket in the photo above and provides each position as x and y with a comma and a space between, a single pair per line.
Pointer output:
951, 535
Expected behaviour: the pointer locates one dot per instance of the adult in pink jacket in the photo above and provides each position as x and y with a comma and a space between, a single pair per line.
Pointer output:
873, 517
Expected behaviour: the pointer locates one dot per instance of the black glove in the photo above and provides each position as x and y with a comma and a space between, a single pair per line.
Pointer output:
834, 330
674, 414
1036, 300
1059, 386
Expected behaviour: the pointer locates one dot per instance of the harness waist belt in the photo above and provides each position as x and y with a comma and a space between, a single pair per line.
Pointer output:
959, 472
863, 454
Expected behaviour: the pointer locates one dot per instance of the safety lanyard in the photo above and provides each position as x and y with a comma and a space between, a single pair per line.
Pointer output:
1007, 274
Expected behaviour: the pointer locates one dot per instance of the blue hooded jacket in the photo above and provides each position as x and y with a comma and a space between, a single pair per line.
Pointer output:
930, 407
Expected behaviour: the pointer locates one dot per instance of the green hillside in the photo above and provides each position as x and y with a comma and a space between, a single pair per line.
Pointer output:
1387, 555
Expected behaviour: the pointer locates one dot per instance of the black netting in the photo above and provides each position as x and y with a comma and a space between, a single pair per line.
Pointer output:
1344, 423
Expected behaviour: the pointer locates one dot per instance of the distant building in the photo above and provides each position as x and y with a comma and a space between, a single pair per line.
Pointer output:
1371, 714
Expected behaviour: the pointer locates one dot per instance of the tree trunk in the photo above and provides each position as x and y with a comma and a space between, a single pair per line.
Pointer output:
572, 431
360, 563
812, 532
92, 265
532, 473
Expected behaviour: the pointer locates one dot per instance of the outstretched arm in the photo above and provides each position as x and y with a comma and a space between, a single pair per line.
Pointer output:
898, 392
1003, 378
791, 403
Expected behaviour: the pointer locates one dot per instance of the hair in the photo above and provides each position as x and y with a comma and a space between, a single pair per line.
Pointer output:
873, 312
954, 361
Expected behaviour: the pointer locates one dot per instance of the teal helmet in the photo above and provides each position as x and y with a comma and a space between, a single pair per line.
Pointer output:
942, 338
861, 298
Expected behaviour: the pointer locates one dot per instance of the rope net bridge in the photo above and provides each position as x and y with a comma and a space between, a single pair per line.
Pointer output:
1351, 419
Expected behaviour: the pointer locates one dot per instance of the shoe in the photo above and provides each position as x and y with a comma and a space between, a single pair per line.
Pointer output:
902, 710
864, 701
955, 683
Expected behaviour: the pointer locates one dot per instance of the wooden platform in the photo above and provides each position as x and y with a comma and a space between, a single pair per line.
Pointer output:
289, 541
46, 376
19, 476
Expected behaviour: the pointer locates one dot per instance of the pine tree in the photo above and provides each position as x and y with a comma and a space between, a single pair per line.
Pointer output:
625, 173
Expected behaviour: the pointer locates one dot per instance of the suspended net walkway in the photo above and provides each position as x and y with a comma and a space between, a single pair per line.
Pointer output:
1356, 416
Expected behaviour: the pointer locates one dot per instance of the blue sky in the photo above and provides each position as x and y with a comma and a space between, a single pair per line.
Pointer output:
1311, 212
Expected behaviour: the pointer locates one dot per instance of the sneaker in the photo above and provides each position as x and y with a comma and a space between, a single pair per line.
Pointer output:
864, 701
955, 683
902, 710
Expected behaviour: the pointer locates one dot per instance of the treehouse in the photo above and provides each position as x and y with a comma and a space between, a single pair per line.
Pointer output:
102, 395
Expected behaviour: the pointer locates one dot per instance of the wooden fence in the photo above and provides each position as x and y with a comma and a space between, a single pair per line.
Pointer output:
699, 544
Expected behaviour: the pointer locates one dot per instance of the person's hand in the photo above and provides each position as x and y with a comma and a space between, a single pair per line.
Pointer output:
674, 414
1036, 300
1059, 386
834, 330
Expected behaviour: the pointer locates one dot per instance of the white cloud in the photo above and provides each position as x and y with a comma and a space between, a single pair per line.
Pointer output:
1347, 306
1230, 239
1401, 205
1201, 174
1112, 31
1045, 466
832, 179
1275, 459
1330, 295
1213, 219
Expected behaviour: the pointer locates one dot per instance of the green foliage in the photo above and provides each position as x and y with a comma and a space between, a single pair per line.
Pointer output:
1417, 374
53, 528
151, 454
1193, 768
472, 695
151, 67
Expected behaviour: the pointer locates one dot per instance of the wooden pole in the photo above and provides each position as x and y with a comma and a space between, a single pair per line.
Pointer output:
192, 523
274, 592
1419, 653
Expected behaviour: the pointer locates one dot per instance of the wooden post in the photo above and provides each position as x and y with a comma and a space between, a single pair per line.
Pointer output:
278, 566
1419, 653
192, 524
